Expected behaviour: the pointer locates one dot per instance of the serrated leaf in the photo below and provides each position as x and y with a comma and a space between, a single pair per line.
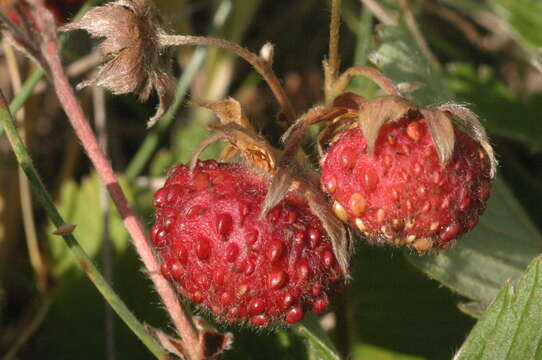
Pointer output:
504, 242
510, 328
505, 113
498, 249
400, 59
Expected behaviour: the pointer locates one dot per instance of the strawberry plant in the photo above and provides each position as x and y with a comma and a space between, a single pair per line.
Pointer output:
380, 204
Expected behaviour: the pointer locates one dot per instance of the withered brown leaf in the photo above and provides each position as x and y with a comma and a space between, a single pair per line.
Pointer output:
134, 60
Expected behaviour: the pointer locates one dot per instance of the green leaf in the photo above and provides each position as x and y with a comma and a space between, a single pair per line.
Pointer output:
498, 249
319, 345
505, 241
77, 203
365, 351
524, 18
400, 59
510, 328
505, 113
75, 325
188, 140
394, 306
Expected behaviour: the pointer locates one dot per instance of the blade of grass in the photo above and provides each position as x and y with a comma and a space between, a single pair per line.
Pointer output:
149, 145
85, 262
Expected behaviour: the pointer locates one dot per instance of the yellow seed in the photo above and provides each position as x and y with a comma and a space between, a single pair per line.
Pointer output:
386, 231
413, 131
423, 244
331, 185
340, 211
357, 204
380, 215
242, 290
397, 225
360, 224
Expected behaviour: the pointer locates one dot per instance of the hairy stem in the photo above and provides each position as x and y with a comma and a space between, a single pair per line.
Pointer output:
179, 316
100, 121
25, 162
380, 12
382, 81
262, 66
331, 66
151, 141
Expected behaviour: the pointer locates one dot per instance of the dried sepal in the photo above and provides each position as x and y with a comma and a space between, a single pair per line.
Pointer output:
227, 111
292, 140
172, 345
329, 134
303, 182
135, 61
280, 185
349, 100
341, 238
375, 113
474, 129
253, 147
211, 341
442, 132
293, 137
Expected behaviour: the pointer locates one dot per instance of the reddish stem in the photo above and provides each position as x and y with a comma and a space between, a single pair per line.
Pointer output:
179, 316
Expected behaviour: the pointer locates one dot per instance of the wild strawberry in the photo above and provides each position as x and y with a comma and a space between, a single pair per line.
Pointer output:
222, 254
406, 175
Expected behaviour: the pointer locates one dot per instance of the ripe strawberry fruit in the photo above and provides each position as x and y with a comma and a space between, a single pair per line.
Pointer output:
221, 254
401, 192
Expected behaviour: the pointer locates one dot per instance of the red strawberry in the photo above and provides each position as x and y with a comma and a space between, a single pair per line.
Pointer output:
403, 192
221, 254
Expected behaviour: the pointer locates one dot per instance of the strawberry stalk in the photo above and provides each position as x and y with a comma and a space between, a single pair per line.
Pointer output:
83, 259
331, 66
262, 64
49, 48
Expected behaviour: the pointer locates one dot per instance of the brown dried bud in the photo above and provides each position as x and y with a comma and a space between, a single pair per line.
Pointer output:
135, 61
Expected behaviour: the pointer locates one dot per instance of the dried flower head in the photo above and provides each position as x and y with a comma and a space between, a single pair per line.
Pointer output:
135, 62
